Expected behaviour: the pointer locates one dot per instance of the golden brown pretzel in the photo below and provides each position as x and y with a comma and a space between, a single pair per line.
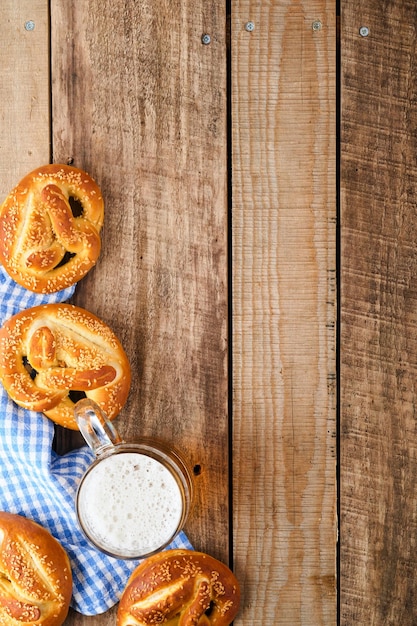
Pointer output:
180, 588
44, 246
35, 574
51, 350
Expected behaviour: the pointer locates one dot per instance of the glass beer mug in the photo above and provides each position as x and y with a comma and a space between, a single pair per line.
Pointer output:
135, 497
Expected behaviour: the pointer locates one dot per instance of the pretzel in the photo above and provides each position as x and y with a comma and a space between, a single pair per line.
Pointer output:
35, 574
44, 246
180, 588
49, 352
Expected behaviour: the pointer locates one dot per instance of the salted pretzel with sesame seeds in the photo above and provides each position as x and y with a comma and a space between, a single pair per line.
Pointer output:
180, 588
35, 574
49, 228
52, 353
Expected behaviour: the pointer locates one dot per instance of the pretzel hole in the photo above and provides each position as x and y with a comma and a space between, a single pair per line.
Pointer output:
76, 206
31, 370
67, 256
75, 395
210, 609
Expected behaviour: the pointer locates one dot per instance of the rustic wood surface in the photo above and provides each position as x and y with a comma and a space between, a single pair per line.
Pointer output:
24, 92
283, 233
140, 102
378, 307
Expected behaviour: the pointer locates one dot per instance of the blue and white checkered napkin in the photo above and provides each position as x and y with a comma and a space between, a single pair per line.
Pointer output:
41, 485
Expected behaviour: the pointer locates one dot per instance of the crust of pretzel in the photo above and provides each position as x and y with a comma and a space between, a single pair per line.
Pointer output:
44, 246
180, 588
35, 574
51, 350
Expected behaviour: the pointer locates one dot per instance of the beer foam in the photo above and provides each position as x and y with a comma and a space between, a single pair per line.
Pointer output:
130, 504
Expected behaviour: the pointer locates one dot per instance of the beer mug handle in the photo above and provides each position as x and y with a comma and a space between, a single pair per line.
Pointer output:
95, 427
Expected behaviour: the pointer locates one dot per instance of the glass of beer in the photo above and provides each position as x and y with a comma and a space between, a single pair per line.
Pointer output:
135, 497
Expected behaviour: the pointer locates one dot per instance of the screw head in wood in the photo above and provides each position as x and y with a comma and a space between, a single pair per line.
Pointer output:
249, 26
30, 25
205, 39
316, 25
364, 31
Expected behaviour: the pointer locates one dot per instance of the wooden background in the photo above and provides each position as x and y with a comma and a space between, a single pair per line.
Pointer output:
223, 268
135, 103
284, 281
378, 348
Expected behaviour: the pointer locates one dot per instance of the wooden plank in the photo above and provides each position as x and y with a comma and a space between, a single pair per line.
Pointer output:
378, 314
283, 116
24, 90
140, 103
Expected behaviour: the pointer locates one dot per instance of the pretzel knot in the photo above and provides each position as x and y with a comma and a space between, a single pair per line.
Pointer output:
180, 588
49, 228
54, 354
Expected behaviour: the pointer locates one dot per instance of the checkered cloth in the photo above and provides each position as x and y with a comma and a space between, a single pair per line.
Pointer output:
41, 485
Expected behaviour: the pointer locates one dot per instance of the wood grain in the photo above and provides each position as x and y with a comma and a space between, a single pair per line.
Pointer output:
140, 103
378, 307
24, 91
283, 233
